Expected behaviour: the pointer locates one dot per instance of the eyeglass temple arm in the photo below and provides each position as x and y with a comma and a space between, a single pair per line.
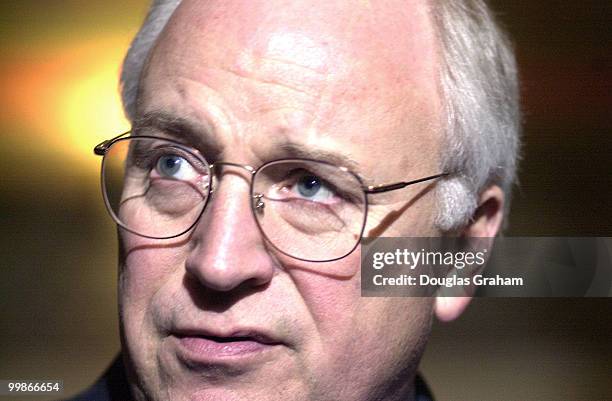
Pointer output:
101, 148
376, 189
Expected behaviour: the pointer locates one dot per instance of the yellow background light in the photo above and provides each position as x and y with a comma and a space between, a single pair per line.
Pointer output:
66, 98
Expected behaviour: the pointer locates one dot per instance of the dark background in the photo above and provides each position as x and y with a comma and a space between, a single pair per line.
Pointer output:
58, 89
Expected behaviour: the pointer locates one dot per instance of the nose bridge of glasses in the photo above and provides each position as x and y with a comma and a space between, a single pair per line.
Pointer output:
218, 169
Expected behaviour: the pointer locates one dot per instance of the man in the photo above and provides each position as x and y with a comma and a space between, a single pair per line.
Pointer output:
261, 133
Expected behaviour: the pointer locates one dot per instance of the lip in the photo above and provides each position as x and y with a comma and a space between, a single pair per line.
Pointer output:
205, 347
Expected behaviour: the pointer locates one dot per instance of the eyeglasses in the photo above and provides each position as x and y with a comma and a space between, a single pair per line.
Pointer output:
307, 209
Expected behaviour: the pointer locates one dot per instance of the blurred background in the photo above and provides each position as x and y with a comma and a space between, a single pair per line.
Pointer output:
58, 87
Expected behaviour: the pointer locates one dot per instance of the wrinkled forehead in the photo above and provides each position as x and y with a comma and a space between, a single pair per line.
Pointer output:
338, 74
369, 43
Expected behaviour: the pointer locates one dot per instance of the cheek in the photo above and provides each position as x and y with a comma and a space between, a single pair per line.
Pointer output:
412, 217
392, 337
146, 267
385, 334
330, 299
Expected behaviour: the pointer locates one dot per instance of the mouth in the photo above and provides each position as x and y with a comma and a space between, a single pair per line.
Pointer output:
200, 347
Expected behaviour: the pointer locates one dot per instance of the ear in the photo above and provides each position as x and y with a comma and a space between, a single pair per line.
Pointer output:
486, 222
489, 214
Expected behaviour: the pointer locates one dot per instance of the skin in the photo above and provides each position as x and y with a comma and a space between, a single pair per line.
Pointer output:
323, 75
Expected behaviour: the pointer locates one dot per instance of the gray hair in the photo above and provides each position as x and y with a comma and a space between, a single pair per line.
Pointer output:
138, 53
479, 89
480, 94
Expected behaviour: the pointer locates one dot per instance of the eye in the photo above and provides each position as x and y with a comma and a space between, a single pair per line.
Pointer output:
311, 187
176, 167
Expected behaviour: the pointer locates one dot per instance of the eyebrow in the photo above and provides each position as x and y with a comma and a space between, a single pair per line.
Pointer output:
202, 136
185, 130
290, 149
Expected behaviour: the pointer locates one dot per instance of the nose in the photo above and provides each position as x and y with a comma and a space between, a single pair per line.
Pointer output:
227, 249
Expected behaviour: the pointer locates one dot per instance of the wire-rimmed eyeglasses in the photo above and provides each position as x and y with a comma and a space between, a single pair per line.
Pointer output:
307, 209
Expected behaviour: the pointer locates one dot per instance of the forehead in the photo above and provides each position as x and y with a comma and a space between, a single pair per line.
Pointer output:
310, 33
317, 66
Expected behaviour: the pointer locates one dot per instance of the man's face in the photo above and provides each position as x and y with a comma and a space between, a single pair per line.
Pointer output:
217, 314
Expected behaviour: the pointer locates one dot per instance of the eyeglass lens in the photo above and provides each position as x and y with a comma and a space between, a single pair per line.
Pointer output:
306, 209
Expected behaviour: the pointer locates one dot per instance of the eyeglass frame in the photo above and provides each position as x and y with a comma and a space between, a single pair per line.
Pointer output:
102, 149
